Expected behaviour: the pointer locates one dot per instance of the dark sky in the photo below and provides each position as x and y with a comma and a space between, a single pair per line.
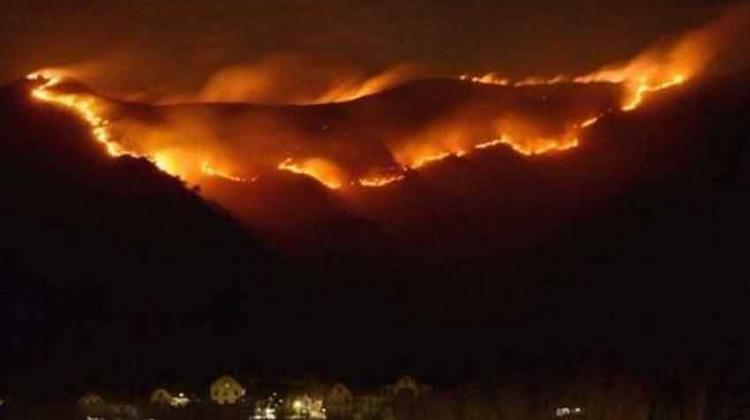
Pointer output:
182, 42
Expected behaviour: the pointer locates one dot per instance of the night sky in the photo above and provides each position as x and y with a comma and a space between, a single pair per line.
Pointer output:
165, 46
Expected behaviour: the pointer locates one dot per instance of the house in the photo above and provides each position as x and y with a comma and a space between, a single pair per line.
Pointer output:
226, 390
339, 401
161, 397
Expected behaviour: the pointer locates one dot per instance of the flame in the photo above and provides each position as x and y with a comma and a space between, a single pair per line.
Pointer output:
165, 162
321, 170
654, 70
85, 107
647, 73
429, 159
438, 143
490, 144
589, 122
644, 87
209, 170
537, 81
380, 181
635, 89
488, 79
538, 146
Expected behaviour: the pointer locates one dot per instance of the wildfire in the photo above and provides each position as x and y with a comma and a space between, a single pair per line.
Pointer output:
490, 144
536, 147
209, 170
644, 88
653, 71
187, 145
488, 79
526, 142
380, 181
85, 107
321, 170
429, 159
635, 89
638, 79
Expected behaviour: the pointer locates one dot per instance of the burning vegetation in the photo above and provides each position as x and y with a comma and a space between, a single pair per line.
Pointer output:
355, 138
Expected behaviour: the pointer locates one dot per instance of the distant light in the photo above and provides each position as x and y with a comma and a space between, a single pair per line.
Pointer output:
567, 411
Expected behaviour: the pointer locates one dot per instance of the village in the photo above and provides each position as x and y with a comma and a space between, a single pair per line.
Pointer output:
230, 398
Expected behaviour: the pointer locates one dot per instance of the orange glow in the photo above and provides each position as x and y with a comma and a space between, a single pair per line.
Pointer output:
288, 79
357, 89
321, 170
